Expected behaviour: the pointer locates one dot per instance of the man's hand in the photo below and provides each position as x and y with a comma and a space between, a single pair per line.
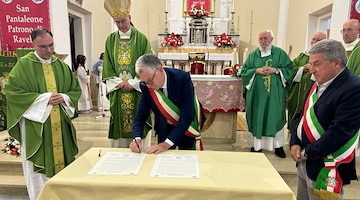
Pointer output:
135, 146
125, 86
158, 148
307, 67
261, 71
295, 153
56, 99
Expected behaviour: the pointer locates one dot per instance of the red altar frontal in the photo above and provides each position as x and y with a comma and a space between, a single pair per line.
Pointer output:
221, 97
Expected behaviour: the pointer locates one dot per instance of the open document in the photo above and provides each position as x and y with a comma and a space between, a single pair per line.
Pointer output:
119, 163
175, 165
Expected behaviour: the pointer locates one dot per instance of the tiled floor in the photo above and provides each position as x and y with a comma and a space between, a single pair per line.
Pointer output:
92, 132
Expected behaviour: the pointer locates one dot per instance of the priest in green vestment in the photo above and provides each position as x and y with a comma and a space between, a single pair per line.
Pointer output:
265, 74
122, 49
301, 81
350, 33
42, 96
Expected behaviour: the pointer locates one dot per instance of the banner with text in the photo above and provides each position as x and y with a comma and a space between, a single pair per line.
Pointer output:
18, 18
355, 9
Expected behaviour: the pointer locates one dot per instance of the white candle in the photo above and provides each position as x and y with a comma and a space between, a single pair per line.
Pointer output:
245, 54
166, 5
233, 5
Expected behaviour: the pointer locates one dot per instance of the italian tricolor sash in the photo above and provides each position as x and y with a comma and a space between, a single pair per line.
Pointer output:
172, 114
328, 183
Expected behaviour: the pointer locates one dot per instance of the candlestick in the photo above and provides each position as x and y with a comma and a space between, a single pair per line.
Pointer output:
211, 31
185, 28
166, 31
232, 31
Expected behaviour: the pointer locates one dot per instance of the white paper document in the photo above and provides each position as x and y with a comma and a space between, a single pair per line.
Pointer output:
119, 163
175, 165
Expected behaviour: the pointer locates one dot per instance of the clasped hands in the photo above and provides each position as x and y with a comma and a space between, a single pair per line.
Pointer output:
124, 85
136, 146
266, 70
56, 98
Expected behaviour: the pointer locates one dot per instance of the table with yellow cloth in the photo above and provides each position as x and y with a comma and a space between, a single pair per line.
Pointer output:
223, 175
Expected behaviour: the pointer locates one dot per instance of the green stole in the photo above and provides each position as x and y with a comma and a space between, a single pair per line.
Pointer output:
328, 183
172, 113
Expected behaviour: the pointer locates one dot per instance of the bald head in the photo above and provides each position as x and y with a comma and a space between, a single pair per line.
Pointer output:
318, 36
350, 30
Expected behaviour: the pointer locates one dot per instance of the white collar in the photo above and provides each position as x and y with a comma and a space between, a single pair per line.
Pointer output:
324, 86
350, 46
41, 59
125, 35
165, 81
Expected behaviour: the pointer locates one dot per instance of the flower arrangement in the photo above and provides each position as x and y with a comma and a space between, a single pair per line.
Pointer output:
235, 70
12, 146
172, 40
224, 41
197, 11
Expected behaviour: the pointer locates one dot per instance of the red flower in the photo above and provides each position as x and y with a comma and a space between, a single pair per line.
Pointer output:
172, 40
224, 41
14, 150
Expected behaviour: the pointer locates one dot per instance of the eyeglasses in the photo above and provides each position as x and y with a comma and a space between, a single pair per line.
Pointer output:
149, 82
44, 47
347, 30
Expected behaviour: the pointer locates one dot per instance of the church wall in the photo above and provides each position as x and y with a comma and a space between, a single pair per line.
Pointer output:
252, 16
149, 18
298, 19
60, 27
101, 27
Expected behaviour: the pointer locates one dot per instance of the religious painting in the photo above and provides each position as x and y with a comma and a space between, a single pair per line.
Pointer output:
355, 9
205, 7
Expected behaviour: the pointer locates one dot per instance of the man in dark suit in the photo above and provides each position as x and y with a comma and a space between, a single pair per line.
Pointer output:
169, 93
326, 132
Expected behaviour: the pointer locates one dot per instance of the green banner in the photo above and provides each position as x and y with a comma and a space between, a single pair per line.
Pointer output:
6, 64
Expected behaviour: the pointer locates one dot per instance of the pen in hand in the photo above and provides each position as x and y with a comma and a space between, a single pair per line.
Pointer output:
137, 144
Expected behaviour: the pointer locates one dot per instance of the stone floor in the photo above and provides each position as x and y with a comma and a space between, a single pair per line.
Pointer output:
92, 132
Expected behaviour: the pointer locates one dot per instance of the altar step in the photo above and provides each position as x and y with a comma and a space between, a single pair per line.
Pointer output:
12, 181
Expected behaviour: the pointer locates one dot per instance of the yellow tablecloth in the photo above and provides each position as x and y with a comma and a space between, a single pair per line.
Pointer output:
223, 175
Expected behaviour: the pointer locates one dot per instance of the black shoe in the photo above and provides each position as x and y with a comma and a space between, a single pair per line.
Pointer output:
280, 152
253, 150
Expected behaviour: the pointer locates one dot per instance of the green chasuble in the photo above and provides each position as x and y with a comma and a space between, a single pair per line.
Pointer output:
26, 82
354, 60
119, 59
298, 90
265, 99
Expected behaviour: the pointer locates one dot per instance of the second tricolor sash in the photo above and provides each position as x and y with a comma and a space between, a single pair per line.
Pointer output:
328, 183
172, 113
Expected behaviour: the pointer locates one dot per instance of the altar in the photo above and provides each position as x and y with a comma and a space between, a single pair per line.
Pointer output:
199, 40
221, 98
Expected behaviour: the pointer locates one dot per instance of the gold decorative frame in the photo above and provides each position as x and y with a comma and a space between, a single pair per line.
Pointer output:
212, 8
